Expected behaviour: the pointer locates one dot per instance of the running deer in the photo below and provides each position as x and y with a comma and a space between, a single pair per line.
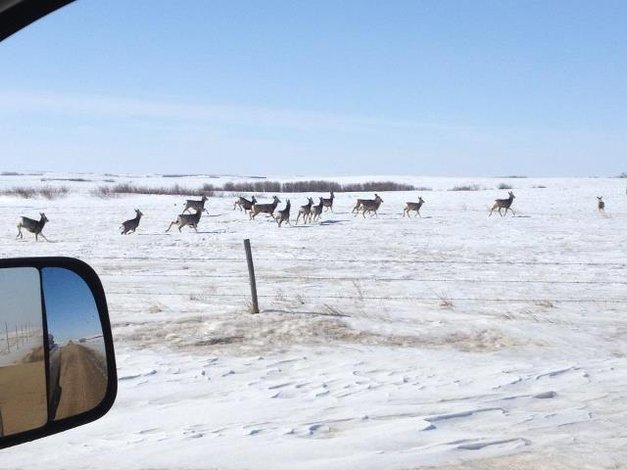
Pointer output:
328, 203
370, 205
33, 226
244, 204
264, 208
186, 219
305, 211
358, 205
129, 226
413, 206
316, 211
601, 204
503, 204
284, 214
196, 205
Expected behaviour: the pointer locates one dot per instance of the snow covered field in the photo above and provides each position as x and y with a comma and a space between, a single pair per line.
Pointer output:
453, 341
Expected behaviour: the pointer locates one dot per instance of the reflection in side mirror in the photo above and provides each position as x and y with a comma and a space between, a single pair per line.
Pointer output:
57, 367
77, 358
23, 404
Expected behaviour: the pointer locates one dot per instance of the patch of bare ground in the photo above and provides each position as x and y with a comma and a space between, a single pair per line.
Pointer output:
277, 330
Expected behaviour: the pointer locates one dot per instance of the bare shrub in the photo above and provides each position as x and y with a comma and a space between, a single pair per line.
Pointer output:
50, 192
375, 186
467, 187
47, 192
315, 186
176, 190
250, 308
20, 191
360, 292
261, 186
103, 192
445, 300
333, 311
311, 186
504, 186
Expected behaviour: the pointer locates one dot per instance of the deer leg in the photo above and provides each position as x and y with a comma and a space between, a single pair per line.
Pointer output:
19, 232
42, 235
170, 226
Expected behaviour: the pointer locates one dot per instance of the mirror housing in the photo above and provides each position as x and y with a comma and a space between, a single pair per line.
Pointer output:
57, 362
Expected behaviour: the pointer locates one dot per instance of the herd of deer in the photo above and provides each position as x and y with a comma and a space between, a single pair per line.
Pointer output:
309, 212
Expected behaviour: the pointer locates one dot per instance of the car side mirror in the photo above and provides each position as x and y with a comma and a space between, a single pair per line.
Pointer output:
57, 364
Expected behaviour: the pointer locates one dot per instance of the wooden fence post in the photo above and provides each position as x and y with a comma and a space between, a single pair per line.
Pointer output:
251, 275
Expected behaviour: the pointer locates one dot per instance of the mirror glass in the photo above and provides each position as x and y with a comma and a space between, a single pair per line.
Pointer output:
22, 361
78, 365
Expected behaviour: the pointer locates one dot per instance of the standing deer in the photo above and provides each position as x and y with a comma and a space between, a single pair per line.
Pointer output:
129, 226
503, 204
284, 214
316, 211
305, 211
413, 206
264, 208
244, 204
33, 226
186, 219
601, 204
196, 205
328, 203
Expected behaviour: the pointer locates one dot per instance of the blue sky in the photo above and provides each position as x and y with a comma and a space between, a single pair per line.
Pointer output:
319, 88
70, 306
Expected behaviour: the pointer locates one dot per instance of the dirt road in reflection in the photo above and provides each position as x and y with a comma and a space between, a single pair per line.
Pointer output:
22, 397
82, 380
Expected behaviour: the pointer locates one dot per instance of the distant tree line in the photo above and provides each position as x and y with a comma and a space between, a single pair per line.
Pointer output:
312, 186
